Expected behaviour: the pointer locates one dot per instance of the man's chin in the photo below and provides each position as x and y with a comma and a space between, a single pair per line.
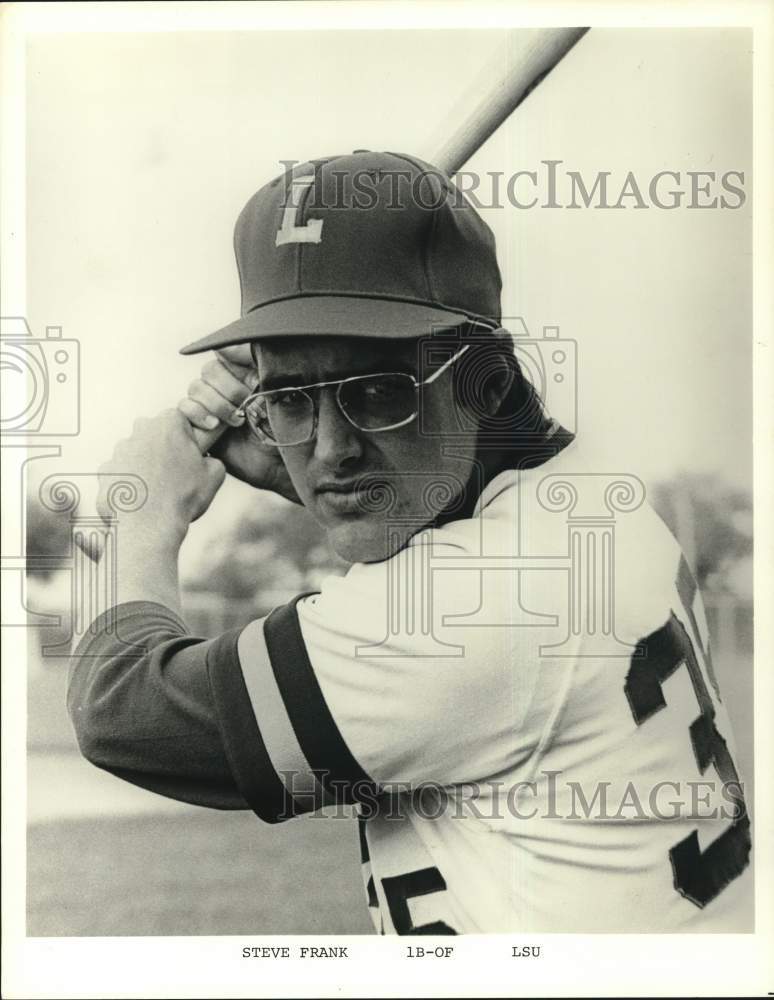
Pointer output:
366, 539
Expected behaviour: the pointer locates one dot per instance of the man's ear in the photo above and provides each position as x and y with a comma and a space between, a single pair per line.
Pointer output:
498, 385
489, 374
488, 379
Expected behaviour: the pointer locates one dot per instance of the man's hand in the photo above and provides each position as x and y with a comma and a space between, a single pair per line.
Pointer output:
213, 401
180, 482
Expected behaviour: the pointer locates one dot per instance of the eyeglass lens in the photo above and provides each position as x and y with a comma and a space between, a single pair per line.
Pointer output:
370, 402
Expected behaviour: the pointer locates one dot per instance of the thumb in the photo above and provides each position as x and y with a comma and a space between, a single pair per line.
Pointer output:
216, 472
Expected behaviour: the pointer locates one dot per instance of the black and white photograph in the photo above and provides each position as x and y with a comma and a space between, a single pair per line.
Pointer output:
386, 443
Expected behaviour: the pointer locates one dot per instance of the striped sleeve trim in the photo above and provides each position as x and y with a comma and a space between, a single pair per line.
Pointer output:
312, 722
246, 751
304, 792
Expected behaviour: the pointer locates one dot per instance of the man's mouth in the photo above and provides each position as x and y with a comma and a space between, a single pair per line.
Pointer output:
343, 497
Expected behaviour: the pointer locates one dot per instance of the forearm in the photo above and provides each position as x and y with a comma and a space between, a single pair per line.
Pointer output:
179, 484
147, 567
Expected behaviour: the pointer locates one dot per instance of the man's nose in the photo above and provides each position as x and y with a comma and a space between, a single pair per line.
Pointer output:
337, 441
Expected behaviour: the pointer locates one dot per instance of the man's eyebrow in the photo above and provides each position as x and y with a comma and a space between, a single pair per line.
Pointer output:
280, 381
284, 380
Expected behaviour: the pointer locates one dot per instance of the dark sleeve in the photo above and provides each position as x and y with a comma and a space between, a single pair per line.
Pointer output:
143, 698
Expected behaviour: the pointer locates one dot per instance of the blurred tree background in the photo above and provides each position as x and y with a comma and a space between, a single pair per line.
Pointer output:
272, 547
714, 523
48, 534
267, 550
275, 546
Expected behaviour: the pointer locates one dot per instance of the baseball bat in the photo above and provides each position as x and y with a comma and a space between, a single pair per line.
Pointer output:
525, 59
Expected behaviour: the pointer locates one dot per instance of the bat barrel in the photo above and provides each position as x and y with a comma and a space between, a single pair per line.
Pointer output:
525, 60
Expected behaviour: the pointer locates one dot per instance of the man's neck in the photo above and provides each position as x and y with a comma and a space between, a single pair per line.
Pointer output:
492, 459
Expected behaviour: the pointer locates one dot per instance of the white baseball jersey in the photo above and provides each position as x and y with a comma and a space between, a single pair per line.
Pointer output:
523, 704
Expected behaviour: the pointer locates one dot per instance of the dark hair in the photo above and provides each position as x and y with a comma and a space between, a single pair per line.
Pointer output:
491, 353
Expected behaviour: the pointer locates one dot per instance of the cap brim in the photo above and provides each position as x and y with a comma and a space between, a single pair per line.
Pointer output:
331, 315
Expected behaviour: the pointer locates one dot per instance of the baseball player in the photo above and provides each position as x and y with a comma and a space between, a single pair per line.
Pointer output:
519, 703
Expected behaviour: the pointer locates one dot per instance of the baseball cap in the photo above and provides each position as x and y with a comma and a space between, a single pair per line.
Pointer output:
366, 244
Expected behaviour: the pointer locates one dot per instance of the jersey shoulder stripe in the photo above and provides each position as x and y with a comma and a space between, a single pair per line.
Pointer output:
305, 762
309, 714
246, 751
303, 789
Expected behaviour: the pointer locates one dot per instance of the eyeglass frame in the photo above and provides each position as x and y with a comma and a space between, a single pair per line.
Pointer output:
338, 382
